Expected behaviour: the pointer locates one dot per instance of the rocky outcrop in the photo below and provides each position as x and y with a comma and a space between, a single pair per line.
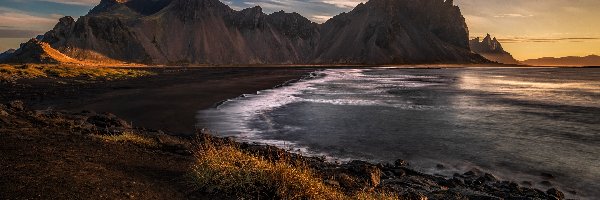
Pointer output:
98, 38
591, 60
492, 50
210, 32
6, 54
35, 51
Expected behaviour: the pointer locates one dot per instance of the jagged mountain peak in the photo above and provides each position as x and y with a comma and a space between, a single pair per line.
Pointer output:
491, 49
255, 9
489, 44
191, 10
105, 6
210, 32
129, 7
8, 53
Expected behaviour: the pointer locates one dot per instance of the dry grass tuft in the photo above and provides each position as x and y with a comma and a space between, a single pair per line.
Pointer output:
226, 169
15, 72
130, 137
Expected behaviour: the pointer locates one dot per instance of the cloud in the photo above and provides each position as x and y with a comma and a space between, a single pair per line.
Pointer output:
343, 3
11, 33
315, 10
546, 40
23, 20
270, 4
514, 15
477, 20
75, 2
320, 18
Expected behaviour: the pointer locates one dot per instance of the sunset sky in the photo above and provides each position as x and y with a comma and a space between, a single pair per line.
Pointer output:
526, 28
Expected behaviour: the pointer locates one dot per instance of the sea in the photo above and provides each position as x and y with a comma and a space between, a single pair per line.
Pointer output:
527, 125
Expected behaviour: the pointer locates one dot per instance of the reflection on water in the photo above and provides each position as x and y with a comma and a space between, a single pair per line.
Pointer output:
516, 123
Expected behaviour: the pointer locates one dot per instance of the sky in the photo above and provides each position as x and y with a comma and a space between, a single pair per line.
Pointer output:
526, 28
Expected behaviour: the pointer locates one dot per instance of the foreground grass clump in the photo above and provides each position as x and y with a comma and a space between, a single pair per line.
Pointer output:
130, 137
227, 169
15, 72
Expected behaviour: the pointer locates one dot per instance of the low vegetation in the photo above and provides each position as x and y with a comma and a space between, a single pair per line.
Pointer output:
226, 169
130, 137
28, 71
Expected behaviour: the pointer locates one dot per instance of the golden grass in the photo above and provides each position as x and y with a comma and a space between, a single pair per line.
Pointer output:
53, 53
28, 71
228, 170
130, 137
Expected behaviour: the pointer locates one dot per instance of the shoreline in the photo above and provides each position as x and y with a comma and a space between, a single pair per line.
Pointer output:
543, 178
322, 66
398, 173
110, 162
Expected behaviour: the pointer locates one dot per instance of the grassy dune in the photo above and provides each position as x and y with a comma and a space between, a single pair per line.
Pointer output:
28, 71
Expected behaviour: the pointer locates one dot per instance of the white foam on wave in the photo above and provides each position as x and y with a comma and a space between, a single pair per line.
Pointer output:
336, 86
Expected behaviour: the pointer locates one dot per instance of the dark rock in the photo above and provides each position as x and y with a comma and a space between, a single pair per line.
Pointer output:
470, 173
107, 121
485, 197
62, 29
8, 53
388, 175
398, 172
440, 166
453, 182
3, 110
16, 105
556, 193
492, 50
369, 172
546, 183
4, 115
346, 181
513, 186
489, 177
446, 194
547, 176
400, 163
413, 195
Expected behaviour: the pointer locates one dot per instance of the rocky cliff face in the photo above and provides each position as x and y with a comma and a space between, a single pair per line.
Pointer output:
210, 32
492, 50
396, 31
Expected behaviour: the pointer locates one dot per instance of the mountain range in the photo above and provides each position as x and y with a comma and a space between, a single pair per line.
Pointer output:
591, 60
209, 32
491, 49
